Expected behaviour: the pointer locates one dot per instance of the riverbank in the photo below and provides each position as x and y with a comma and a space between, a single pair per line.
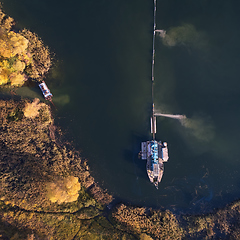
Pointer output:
31, 162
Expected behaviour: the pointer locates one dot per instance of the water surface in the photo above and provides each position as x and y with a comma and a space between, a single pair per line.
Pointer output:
102, 89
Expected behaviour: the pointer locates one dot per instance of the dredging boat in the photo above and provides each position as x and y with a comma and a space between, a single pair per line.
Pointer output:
156, 153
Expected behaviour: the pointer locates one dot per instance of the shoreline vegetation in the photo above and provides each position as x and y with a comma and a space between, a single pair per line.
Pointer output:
23, 55
46, 188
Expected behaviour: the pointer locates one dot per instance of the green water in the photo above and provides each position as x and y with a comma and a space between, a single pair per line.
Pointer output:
102, 89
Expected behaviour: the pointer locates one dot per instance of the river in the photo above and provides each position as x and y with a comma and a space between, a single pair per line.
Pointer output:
101, 83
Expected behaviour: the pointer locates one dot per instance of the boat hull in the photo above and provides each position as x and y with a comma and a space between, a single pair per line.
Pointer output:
155, 179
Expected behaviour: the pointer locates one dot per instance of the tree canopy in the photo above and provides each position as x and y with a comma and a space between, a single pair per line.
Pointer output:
22, 55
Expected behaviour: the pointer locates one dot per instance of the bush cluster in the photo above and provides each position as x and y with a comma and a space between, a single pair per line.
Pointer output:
22, 55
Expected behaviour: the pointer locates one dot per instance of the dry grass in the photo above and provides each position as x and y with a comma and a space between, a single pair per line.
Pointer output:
157, 224
40, 53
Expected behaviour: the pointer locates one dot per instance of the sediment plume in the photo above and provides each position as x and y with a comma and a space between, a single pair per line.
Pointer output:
201, 127
187, 35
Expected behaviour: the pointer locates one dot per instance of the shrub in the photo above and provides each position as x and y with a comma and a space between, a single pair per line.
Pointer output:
31, 110
65, 190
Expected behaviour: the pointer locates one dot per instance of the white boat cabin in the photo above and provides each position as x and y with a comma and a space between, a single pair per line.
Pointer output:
45, 91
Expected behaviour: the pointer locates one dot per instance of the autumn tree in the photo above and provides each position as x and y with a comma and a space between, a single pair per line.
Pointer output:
64, 190
14, 55
31, 110
13, 51
22, 55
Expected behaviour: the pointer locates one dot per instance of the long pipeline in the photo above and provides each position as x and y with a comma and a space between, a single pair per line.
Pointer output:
153, 62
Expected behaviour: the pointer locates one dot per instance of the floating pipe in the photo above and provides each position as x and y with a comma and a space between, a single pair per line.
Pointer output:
170, 116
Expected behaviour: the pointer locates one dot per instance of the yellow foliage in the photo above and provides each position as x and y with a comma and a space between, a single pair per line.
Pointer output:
7, 23
144, 236
70, 181
19, 65
3, 77
72, 198
5, 65
13, 55
2, 15
65, 190
16, 79
73, 189
5, 50
12, 43
31, 109
27, 58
